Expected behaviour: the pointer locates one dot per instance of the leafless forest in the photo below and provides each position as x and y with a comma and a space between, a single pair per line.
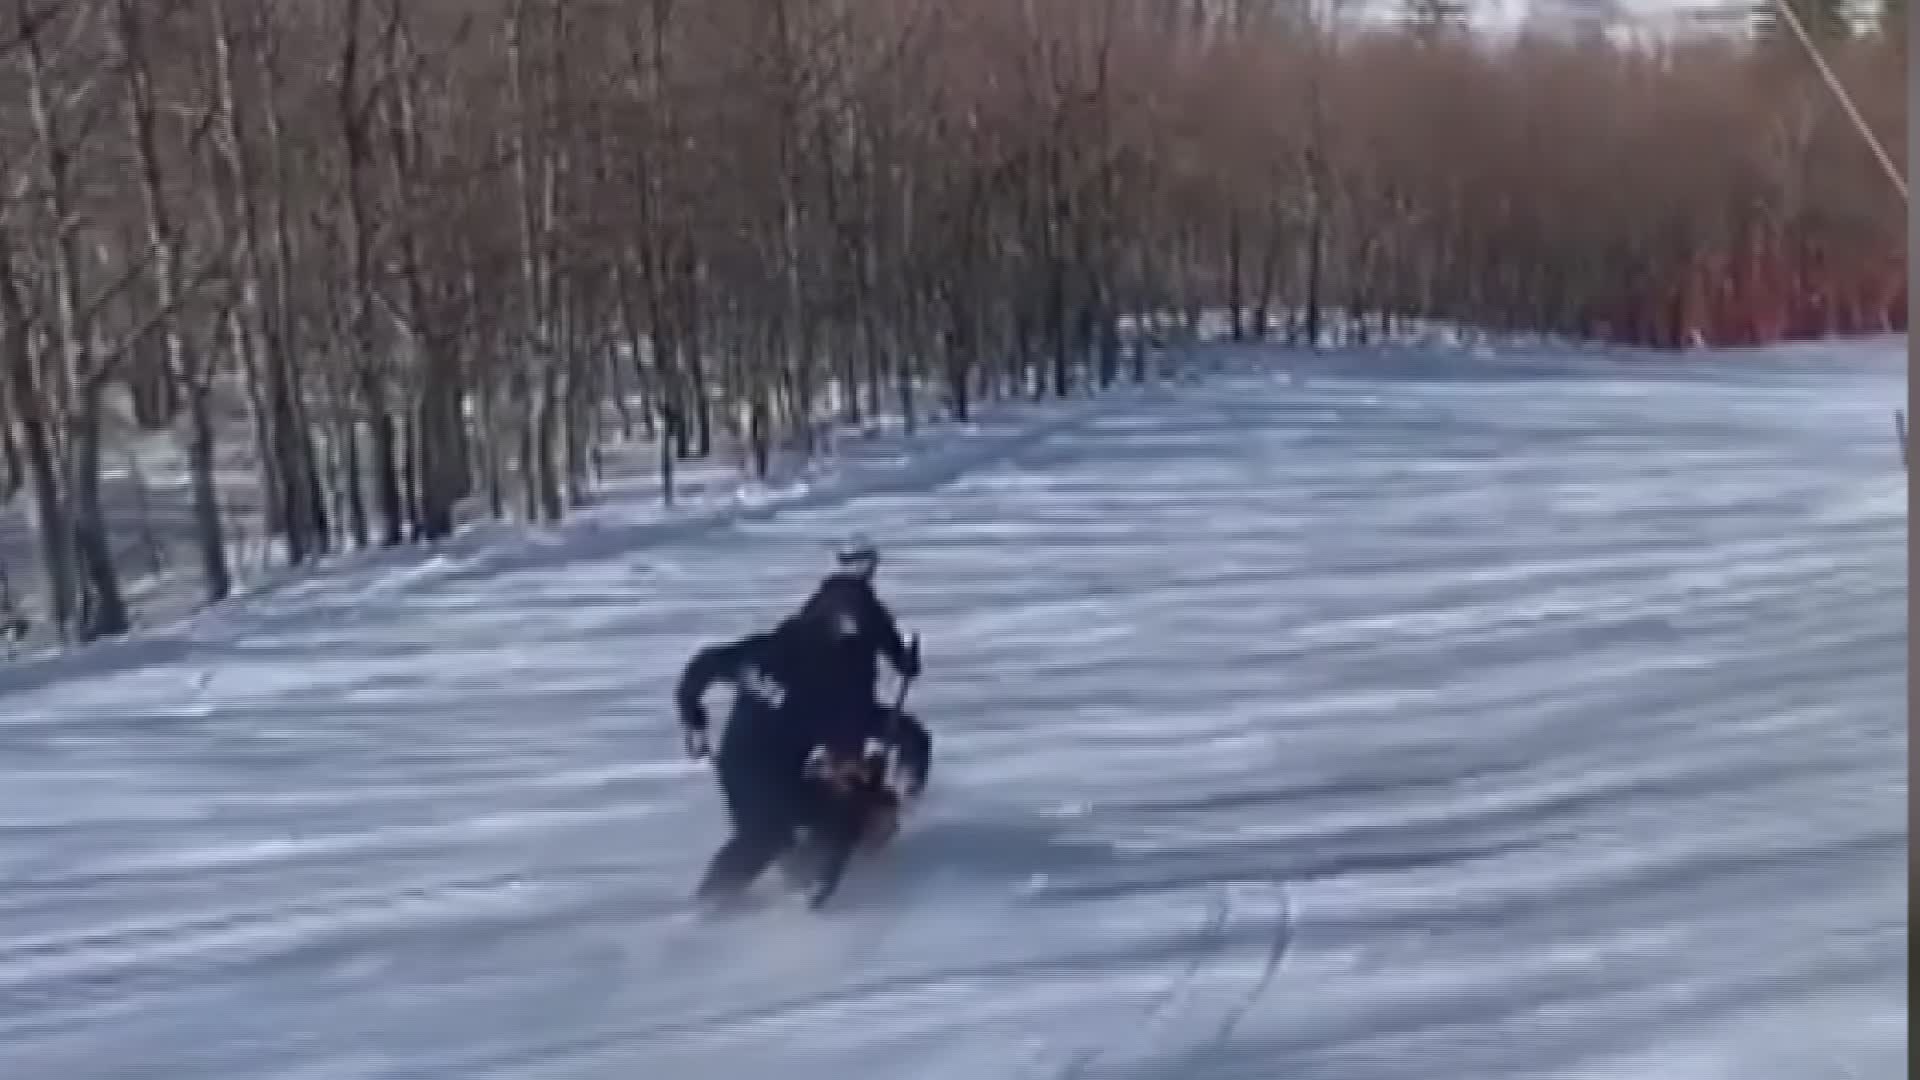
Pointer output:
437, 246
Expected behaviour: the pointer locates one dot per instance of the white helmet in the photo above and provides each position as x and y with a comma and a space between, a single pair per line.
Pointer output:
858, 555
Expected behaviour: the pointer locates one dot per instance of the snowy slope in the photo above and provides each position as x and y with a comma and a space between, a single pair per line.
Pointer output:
1362, 718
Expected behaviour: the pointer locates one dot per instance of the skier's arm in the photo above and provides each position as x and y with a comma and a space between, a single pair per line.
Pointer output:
708, 666
906, 661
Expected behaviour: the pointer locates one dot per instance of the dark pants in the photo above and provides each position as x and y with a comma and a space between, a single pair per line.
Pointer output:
820, 861
767, 807
764, 805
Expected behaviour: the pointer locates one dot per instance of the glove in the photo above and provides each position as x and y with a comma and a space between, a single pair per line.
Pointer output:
697, 746
693, 723
910, 660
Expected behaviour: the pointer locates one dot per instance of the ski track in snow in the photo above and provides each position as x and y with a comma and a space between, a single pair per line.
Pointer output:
1369, 719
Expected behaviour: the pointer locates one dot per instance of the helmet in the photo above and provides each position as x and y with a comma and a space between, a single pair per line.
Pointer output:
858, 555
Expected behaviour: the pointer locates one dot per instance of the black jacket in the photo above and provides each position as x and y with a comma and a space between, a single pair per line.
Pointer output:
847, 612
783, 701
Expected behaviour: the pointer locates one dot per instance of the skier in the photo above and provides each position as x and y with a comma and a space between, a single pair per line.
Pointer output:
846, 610
782, 763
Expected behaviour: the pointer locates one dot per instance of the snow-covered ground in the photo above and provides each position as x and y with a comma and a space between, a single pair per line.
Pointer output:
1403, 716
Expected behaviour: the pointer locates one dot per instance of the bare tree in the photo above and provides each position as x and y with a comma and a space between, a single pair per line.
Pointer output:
439, 250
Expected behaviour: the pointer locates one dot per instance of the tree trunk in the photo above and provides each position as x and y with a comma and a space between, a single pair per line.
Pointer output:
165, 248
103, 607
36, 439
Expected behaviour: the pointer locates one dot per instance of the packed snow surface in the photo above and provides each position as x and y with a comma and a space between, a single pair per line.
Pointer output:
1406, 715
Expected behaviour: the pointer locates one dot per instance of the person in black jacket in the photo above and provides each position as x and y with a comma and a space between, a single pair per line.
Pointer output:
777, 755
846, 610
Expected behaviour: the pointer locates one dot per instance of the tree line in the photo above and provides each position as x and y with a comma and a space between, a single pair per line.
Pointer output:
437, 248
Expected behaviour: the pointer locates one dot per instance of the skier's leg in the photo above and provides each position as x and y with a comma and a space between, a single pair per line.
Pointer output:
799, 863
762, 830
738, 862
881, 821
837, 824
